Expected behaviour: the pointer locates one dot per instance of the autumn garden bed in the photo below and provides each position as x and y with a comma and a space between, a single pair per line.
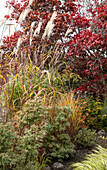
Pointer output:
53, 103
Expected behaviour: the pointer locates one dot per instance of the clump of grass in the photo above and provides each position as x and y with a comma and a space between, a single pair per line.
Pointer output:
27, 82
76, 118
96, 160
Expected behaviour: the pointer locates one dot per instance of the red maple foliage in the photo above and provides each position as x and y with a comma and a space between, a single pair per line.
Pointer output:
88, 51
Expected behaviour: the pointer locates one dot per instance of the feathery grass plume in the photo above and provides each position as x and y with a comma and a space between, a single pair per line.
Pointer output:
50, 30
1, 54
10, 12
30, 40
2, 22
24, 14
69, 30
49, 26
53, 16
31, 31
30, 2
37, 30
32, 25
19, 42
1, 43
5, 27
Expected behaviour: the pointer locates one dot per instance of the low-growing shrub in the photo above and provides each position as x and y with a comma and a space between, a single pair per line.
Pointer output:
104, 115
58, 119
30, 148
7, 141
21, 152
94, 161
22, 140
60, 147
57, 142
51, 122
94, 122
32, 113
86, 138
92, 111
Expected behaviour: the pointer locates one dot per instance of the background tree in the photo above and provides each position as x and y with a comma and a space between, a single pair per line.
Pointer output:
88, 50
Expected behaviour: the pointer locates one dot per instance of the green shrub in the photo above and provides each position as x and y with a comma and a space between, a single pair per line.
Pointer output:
94, 161
36, 130
104, 115
54, 121
94, 122
104, 122
21, 142
69, 78
104, 107
7, 141
60, 147
30, 148
105, 129
32, 113
58, 144
58, 119
86, 138
92, 110
22, 152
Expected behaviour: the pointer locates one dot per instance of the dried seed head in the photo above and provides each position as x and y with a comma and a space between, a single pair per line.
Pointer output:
30, 2
31, 28
2, 22
1, 43
24, 14
53, 16
19, 42
10, 12
33, 24
30, 40
68, 31
49, 26
37, 30
50, 30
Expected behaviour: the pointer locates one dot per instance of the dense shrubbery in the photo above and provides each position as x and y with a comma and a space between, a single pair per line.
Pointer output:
92, 110
21, 151
43, 114
39, 129
104, 115
86, 138
42, 122
60, 147
47, 124
34, 133
54, 122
